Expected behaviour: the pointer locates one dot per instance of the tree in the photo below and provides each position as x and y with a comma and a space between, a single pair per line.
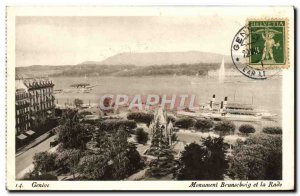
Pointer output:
72, 133
103, 142
164, 163
217, 164
117, 158
35, 176
247, 128
68, 160
203, 162
69, 114
94, 167
141, 136
119, 154
44, 162
125, 158
203, 124
224, 127
258, 158
174, 137
272, 130
135, 161
192, 163
78, 102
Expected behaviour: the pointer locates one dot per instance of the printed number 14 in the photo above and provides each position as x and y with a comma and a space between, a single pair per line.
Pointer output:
19, 185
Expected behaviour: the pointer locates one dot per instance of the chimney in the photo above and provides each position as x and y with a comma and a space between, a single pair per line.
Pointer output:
213, 98
221, 106
212, 101
225, 101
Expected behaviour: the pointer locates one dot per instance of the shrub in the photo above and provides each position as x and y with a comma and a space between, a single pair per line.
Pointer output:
272, 130
135, 161
247, 128
84, 113
258, 158
203, 162
74, 135
44, 125
68, 160
115, 124
140, 117
141, 136
78, 102
203, 124
36, 176
225, 127
44, 162
117, 159
185, 122
94, 167
171, 118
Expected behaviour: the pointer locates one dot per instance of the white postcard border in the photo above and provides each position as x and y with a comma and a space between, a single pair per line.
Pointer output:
287, 97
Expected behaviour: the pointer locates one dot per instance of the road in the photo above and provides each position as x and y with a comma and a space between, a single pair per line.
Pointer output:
24, 160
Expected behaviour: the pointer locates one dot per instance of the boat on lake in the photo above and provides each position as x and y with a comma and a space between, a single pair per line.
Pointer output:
230, 111
83, 87
235, 111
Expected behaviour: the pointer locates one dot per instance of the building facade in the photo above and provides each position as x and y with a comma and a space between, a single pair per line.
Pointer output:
41, 98
34, 103
22, 111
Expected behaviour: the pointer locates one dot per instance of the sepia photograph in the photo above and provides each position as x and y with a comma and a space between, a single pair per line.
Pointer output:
198, 98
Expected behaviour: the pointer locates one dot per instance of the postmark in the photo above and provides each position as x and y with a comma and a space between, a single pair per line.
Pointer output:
260, 49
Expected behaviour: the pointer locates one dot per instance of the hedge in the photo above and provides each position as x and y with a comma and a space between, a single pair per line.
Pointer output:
272, 130
225, 126
185, 123
115, 124
203, 124
247, 128
140, 117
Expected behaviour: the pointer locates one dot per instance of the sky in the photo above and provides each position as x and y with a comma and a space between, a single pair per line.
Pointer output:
51, 40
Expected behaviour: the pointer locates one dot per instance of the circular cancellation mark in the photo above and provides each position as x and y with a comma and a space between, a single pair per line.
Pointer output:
241, 53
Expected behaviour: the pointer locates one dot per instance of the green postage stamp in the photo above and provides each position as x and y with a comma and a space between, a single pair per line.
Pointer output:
268, 44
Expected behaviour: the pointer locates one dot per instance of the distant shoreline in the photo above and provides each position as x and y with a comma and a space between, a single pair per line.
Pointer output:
199, 69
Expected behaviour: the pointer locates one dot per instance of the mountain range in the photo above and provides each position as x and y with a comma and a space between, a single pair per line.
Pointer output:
161, 58
135, 64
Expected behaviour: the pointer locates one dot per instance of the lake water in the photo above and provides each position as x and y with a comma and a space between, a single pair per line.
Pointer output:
264, 94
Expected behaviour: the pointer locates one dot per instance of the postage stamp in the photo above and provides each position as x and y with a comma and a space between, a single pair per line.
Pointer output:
150, 98
268, 43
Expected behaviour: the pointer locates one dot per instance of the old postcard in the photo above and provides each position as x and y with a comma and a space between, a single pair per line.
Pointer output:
150, 98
